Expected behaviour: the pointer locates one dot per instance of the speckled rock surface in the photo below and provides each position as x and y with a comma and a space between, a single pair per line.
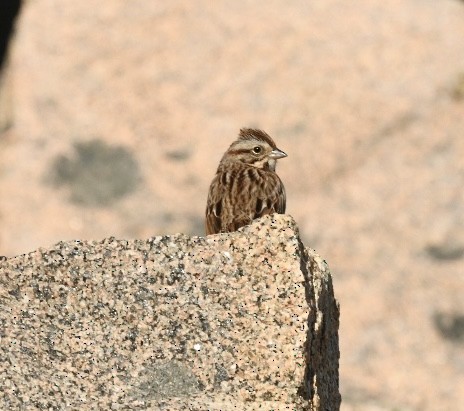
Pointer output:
233, 321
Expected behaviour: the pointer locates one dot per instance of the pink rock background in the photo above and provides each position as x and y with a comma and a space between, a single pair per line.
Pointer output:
123, 109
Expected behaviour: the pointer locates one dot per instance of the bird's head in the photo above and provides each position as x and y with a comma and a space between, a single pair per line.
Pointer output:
255, 148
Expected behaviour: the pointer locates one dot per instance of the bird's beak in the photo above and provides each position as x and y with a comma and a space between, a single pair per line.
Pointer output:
276, 154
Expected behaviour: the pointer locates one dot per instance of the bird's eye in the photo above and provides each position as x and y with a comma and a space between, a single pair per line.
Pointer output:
257, 150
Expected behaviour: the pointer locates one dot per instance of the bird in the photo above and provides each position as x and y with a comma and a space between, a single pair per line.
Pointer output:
246, 185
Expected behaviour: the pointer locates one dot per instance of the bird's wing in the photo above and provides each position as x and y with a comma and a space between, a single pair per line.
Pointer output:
270, 194
214, 207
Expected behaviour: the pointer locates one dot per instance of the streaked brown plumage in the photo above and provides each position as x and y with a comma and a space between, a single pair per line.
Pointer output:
246, 185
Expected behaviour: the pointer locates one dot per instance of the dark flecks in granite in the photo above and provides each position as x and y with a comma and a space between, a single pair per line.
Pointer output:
16, 293
221, 375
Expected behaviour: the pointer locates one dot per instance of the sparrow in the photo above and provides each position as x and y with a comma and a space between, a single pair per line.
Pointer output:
246, 185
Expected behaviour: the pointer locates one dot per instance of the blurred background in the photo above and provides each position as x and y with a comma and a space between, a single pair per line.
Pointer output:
114, 116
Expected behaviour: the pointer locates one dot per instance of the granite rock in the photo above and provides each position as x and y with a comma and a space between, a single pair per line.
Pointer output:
243, 320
